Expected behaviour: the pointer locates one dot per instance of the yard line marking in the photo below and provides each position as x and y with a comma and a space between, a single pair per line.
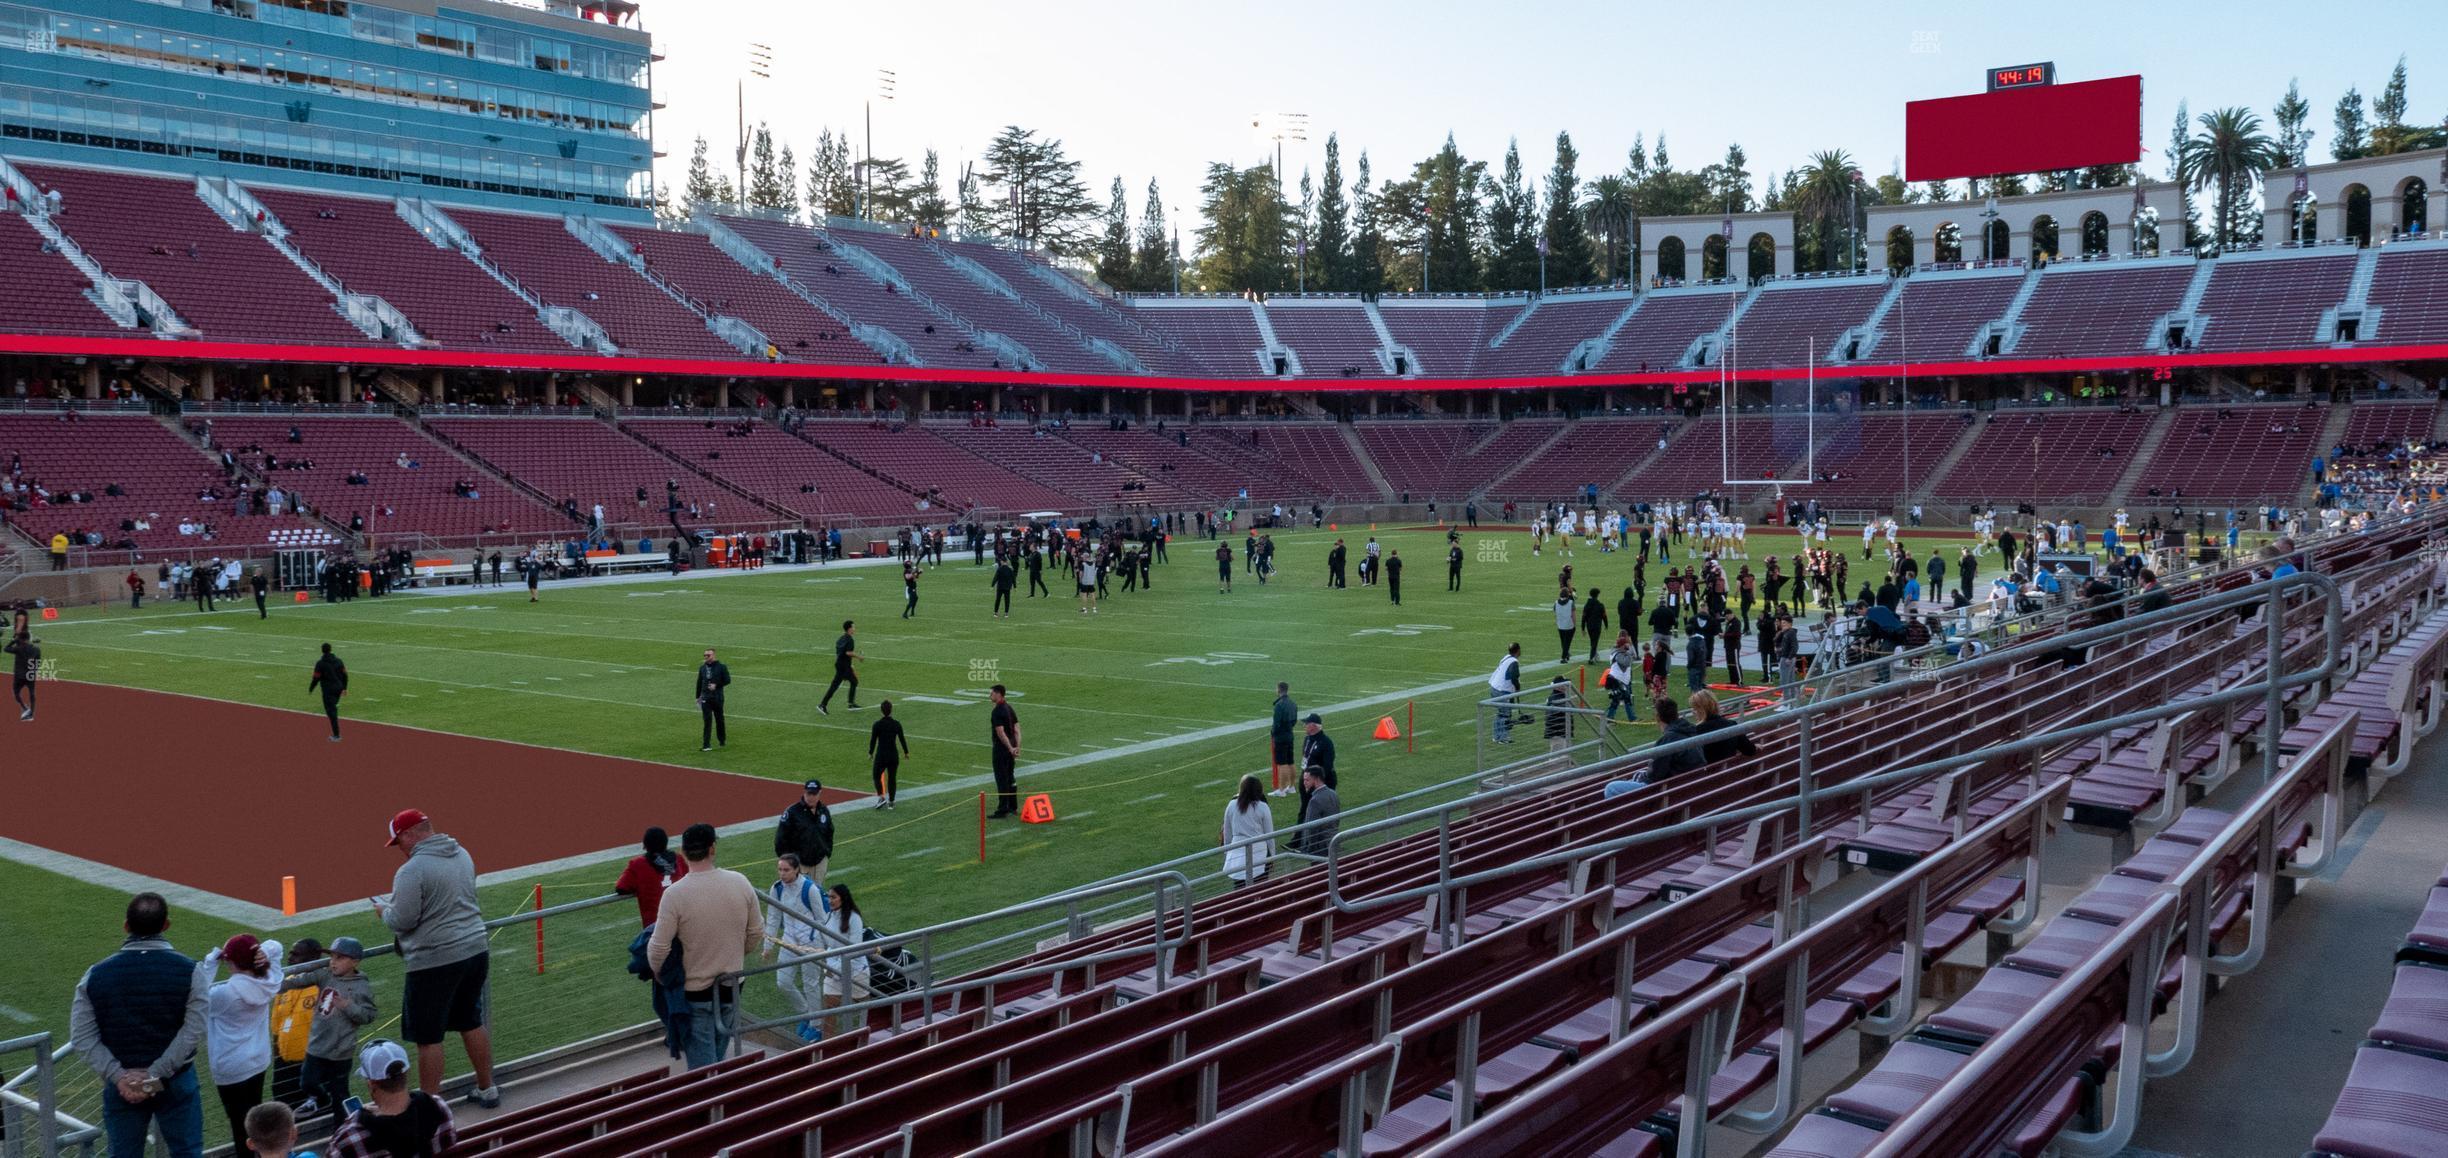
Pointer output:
17, 1015
1083, 814
915, 853
1151, 796
1207, 784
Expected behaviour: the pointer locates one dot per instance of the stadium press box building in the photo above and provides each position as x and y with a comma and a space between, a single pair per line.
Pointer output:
542, 107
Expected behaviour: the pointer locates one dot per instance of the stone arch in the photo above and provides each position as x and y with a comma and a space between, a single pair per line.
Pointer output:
1713, 257
1900, 248
2094, 233
1670, 259
2044, 238
2413, 205
1947, 242
1760, 252
2307, 219
1999, 240
2357, 201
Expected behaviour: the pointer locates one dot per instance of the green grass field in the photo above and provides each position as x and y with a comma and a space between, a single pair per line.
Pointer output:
1181, 672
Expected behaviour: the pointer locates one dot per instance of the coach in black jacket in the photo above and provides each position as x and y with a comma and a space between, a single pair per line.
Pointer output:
712, 678
807, 829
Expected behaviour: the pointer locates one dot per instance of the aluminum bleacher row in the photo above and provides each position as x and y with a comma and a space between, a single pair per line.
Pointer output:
1552, 969
835, 280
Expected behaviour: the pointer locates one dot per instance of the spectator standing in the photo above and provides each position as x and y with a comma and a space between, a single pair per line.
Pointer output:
1393, 573
135, 586
713, 911
845, 671
798, 905
1247, 831
1696, 650
1323, 805
442, 943
1279, 733
649, 873
887, 742
1317, 748
712, 677
344, 1004
1567, 621
399, 1122
1504, 684
136, 1020
1003, 734
260, 586
849, 973
59, 550
807, 831
330, 678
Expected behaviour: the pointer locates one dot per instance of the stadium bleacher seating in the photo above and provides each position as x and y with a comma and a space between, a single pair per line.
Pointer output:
1661, 333
1878, 457
162, 475
590, 462
2271, 304
913, 457
2047, 456
799, 331
2410, 286
1449, 337
775, 467
43, 294
156, 229
2110, 308
1303, 451
1074, 468
808, 259
561, 271
1221, 337
1102, 318
420, 498
2244, 454
1559, 322
1418, 457
1592, 451
1332, 337
950, 289
2371, 423
1937, 316
1799, 323
370, 249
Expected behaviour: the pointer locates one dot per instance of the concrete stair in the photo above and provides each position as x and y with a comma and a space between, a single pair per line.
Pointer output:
1376, 477
2140, 459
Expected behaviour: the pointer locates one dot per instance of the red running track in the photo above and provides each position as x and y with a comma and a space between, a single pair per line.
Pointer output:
229, 798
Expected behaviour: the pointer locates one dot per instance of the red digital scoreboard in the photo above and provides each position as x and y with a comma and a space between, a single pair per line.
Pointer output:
2024, 125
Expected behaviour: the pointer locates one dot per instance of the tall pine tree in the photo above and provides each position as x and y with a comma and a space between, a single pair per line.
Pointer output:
1113, 252
1152, 259
1570, 259
765, 189
1330, 240
1034, 192
2348, 138
703, 187
1512, 228
928, 206
2289, 117
1368, 272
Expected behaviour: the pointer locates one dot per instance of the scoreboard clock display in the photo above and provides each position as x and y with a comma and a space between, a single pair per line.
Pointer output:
2023, 76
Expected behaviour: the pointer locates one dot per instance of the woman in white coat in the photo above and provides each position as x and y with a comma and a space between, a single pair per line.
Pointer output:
1248, 833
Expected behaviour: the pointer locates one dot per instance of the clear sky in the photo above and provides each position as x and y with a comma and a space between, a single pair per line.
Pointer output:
1163, 87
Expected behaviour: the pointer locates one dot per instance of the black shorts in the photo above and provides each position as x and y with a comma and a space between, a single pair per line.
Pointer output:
1283, 751
445, 999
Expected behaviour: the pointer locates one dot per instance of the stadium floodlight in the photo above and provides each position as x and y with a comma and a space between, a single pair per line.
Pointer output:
760, 66
1275, 129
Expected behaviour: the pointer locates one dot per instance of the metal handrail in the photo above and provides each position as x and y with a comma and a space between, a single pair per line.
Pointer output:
2270, 688
46, 1092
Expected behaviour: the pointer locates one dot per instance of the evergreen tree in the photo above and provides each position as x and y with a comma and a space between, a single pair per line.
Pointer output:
1368, 271
1442, 209
2289, 116
1636, 165
1729, 181
1152, 260
890, 193
2348, 138
1513, 255
1113, 253
765, 189
1330, 239
1893, 191
702, 187
2179, 148
2390, 134
928, 206
974, 216
786, 179
832, 190
1569, 257
1034, 192
1303, 227
1245, 243
1657, 160
1937, 191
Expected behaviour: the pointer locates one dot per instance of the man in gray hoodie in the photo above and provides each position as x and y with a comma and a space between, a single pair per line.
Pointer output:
442, 944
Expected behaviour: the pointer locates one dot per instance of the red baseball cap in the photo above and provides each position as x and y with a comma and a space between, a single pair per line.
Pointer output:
239, 952
406, 819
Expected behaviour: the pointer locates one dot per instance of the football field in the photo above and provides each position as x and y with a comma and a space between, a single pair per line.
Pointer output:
1137, 720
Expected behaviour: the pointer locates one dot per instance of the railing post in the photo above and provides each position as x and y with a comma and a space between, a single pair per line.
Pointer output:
1802, 771
2273, 704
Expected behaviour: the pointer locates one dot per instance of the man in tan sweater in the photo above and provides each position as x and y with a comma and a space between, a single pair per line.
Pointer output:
711, 914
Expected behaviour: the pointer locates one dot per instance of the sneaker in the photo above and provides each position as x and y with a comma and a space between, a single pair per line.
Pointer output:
822, 710
27, 714
705, 747
488, 1097
809, 1032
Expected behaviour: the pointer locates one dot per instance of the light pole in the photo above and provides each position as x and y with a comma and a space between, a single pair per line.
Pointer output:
1427, 242
760, 66
887, 83
1177, 251
1278, 128
1989, 216
1542, 248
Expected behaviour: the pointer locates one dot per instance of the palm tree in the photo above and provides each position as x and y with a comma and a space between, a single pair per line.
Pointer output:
1825, 198
1608, 212
2228, 150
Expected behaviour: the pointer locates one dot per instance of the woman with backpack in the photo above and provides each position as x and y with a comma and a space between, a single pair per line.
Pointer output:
1248, 831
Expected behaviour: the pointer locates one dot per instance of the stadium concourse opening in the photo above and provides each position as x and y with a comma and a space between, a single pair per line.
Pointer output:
200, 769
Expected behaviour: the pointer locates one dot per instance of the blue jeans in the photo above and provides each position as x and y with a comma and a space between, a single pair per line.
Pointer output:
177, 1107
710, 1027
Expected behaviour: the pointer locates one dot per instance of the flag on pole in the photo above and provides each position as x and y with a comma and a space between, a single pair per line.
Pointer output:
1542, 245
1726, 228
